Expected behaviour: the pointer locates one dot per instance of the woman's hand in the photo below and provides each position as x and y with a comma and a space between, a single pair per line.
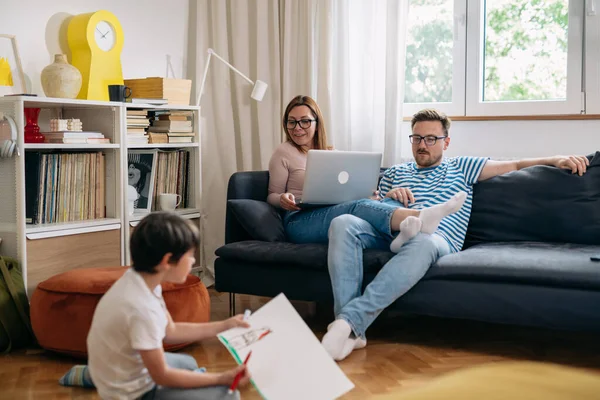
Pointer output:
287, 201
403, 195
376, 195
227, 377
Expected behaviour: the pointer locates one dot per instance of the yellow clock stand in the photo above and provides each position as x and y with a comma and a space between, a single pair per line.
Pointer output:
96, 41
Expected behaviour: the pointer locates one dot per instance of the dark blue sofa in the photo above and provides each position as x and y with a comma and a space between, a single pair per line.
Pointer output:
527, 258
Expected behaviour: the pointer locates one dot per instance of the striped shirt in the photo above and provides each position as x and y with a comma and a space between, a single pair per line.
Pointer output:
436, 185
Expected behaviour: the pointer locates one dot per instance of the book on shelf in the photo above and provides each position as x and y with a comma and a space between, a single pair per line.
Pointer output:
174, 117
137, 112
137, 122
72, 134
157, 138
78, 140
72, 137
64, 187
180, 139
166, 129
172, 175
134, 100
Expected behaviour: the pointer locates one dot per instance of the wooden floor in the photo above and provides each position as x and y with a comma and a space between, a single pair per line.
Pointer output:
402, 352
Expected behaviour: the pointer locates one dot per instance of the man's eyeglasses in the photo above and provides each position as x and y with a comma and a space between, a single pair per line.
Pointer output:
304, 123
429, 140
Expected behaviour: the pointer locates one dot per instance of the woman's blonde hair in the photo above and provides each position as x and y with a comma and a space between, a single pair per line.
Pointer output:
320, 138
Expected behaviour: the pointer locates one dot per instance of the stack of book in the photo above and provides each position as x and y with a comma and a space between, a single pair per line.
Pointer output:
137, 123
70, 131
171, 127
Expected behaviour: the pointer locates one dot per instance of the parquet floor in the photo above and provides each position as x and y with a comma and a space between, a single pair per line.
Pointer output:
402, 352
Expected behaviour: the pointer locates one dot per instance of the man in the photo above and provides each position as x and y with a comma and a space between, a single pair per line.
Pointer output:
430, 180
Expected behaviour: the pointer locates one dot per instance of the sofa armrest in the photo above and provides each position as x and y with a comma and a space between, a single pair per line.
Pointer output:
252, 185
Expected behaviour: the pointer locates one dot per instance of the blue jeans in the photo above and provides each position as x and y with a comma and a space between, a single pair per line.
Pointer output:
184, 361
312, 225
348, 236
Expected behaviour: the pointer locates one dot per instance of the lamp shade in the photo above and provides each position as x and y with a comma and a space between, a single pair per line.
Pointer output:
259, 90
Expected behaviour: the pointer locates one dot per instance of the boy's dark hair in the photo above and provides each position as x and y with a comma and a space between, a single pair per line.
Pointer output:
160, 233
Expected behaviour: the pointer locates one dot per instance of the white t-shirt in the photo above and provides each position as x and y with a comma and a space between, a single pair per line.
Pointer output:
128, 318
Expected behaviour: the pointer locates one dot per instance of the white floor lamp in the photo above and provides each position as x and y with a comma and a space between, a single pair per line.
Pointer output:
260, 87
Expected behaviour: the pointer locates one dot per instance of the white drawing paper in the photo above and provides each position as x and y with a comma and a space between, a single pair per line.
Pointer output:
288, 361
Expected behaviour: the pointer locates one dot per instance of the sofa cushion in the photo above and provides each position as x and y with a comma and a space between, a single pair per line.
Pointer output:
558, 264
310, 256
540, 204
260, 219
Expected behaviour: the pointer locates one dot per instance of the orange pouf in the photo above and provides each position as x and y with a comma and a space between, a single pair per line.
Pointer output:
62, 307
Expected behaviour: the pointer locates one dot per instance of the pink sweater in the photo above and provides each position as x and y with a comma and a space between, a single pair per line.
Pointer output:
286, 172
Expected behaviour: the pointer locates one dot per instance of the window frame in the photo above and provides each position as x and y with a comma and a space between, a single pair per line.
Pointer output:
573, 104
457, 105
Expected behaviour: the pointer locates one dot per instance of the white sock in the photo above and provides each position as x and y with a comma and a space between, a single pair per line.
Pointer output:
408, 230
336, 338
350, 345
432, 216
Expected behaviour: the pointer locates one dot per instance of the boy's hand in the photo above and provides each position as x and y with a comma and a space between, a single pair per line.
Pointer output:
236, 322
228, 376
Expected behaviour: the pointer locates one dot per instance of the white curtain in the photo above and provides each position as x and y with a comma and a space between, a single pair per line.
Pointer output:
238, 133
350, 56
366, 71
347, 54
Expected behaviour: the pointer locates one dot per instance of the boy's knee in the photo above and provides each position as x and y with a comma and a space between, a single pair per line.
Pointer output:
181, 361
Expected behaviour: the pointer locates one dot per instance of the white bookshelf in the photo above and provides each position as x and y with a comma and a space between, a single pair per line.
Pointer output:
47, 249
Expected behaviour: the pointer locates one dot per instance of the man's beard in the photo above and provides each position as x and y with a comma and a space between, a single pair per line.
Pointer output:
427, 162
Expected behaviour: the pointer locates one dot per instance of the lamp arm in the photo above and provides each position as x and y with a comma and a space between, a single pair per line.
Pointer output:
211, 51
204, 79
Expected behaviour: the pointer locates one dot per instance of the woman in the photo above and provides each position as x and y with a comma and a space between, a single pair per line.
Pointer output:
304, 127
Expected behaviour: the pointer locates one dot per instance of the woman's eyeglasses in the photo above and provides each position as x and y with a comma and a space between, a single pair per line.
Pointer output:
304, 123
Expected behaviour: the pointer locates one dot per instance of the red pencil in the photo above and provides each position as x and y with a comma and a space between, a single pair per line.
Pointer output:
237, 378
264, 334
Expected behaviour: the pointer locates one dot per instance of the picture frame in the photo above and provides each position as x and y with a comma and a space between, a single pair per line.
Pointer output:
12, 77
141, 174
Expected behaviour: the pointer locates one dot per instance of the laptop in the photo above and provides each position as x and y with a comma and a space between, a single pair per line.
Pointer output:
334, 177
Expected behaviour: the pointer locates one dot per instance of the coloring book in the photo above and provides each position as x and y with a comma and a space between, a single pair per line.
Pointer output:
288, 361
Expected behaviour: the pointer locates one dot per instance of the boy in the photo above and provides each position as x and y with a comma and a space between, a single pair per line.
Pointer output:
125, 343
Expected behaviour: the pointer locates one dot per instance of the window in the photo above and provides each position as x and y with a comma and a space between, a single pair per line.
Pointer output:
502, 57
435, 56
524, 57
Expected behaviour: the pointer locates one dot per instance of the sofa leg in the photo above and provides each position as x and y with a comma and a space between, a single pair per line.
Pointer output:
231, 304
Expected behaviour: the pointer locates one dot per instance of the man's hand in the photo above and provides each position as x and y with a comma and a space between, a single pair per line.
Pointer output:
403, 195
287, 201
236, 322
577, 164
